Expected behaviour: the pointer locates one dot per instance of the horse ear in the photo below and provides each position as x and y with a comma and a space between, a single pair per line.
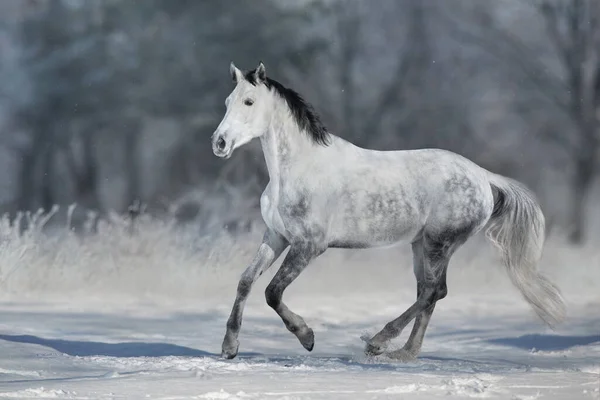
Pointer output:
235, 72
261, 73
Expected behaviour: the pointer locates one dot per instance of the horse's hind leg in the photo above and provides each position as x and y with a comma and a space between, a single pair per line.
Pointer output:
415, 341
437, 250
413, 345
297, 259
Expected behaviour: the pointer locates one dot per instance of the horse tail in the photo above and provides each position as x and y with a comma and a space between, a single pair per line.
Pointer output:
517, 229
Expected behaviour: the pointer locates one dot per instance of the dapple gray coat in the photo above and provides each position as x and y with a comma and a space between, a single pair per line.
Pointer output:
325, 192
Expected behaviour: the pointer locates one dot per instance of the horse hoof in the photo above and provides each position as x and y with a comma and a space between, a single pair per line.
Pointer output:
308, 340
374, 349
228, 355
229, 350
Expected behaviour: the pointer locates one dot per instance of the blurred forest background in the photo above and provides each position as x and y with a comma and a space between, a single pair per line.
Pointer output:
110, 103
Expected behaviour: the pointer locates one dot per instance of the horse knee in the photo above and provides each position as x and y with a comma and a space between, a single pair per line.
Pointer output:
273, 296
244, 286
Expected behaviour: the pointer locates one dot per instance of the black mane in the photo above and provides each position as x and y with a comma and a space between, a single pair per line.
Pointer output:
304, 114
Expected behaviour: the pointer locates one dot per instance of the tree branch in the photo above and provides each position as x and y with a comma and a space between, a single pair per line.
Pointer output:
515, 54
550, 13
390, 96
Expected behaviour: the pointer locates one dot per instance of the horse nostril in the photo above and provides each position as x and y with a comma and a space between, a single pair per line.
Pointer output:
221, 143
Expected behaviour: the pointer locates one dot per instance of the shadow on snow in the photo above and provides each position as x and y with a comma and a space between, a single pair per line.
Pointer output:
127, 349
546, 342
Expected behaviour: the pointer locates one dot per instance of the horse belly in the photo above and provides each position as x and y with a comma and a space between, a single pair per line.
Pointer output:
388, 226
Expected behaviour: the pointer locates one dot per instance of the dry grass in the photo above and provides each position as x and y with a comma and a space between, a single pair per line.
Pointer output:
160, 262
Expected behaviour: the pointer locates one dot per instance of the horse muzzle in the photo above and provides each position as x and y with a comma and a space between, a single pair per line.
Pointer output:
222, 147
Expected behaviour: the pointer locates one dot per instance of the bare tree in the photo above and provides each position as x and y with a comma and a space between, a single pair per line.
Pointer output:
361, 79
572, 28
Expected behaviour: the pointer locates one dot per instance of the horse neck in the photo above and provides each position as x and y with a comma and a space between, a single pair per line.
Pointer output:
285, 147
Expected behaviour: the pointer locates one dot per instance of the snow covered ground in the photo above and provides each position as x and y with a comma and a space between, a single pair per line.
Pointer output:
127, 317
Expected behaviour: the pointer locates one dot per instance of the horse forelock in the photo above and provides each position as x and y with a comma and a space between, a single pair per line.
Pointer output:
303, 113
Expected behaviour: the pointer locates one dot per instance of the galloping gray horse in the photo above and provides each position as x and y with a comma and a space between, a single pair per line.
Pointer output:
325, 192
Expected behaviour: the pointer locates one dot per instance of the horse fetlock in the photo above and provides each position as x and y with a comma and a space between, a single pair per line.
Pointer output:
375, 348
233, 325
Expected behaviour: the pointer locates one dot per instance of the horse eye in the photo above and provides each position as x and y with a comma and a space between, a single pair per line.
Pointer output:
248, 102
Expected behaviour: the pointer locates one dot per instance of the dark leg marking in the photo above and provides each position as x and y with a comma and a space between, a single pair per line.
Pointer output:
297, 259
270, 249
431, 287
413, 345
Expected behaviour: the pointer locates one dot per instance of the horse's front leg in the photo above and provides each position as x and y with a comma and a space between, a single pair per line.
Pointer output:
270, 249
297, 259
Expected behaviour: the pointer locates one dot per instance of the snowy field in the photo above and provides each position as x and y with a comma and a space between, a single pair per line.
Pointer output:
120, 316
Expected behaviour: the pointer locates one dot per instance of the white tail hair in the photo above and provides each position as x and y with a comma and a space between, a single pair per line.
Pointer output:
517, 229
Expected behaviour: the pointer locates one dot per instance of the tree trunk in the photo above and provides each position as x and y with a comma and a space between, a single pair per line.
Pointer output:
27, 181
348, 30
132, 163
582, 186
31, 180
29, 174
47, 176
87, 184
